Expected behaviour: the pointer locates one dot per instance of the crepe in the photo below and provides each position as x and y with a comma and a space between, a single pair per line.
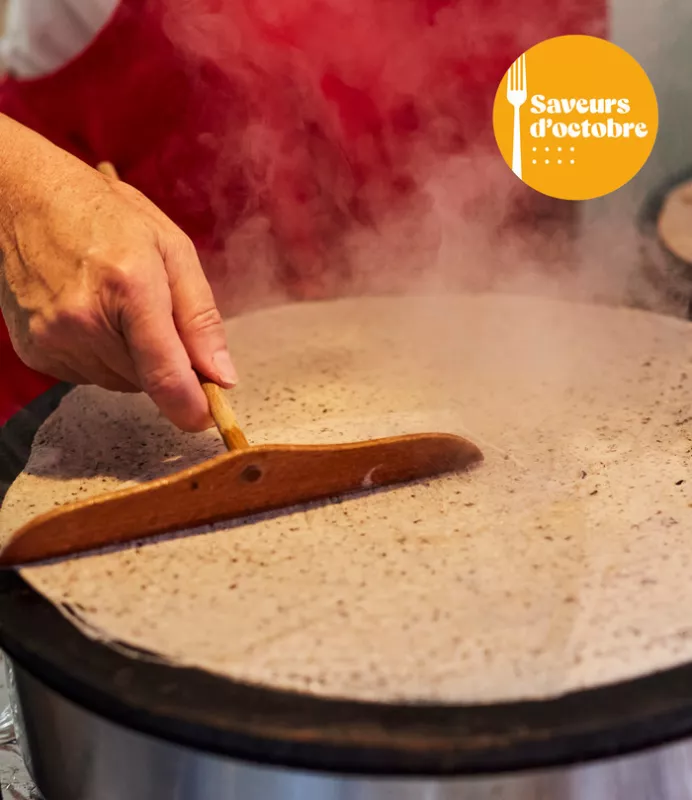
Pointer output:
561, 562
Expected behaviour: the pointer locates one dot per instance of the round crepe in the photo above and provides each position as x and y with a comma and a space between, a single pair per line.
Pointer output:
560, 562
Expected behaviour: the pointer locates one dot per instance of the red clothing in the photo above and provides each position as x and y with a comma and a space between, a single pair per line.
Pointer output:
301, 111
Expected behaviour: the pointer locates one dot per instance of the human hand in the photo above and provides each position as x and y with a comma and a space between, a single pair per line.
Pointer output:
98, 286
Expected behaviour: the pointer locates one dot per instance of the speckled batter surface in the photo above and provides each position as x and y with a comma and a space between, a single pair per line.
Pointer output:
562, 562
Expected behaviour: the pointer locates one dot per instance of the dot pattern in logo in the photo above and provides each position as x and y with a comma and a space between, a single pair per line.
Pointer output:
575, 117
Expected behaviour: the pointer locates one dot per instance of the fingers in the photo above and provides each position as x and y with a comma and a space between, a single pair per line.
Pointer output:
195, 313
160, 360
91, 370
194, 310
110, 367
101, 376
48, 347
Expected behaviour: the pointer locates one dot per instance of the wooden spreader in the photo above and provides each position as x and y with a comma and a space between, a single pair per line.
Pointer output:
245, 481
238, 484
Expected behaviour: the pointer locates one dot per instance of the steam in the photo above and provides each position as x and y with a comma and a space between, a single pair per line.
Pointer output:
355, 153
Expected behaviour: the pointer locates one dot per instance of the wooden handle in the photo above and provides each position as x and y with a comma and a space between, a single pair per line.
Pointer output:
223, 416
106, 168
219, 406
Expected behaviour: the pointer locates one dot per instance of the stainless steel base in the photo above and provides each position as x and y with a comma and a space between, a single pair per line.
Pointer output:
74, 754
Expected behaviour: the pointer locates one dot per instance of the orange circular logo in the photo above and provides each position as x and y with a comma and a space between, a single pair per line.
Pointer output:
575, 117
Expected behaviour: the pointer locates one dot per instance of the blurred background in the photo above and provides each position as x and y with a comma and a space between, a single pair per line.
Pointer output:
658, 33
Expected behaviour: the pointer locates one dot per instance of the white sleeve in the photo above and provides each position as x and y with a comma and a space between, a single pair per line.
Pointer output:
42, 35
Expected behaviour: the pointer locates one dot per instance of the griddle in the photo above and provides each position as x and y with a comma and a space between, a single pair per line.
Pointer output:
196, 709
338, 739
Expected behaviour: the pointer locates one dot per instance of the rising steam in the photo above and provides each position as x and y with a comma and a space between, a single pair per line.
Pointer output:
354, 151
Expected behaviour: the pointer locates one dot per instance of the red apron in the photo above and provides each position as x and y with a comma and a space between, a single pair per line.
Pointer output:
172, 91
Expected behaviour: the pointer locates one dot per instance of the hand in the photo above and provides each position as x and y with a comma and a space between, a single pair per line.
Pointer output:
98, 286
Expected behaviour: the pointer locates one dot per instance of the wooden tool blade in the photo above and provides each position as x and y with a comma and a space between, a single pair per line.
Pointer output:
236, 485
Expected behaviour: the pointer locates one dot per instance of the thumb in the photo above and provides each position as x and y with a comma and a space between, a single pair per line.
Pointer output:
196, 315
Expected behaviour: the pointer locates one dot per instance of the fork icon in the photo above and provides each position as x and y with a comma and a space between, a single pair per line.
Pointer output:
516, 96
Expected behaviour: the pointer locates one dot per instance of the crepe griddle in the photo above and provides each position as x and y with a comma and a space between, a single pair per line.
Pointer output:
98, 721
265, 726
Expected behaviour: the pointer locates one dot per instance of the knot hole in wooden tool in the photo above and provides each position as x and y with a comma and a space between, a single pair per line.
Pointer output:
251, 474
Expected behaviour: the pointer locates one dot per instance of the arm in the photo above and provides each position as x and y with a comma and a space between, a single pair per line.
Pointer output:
98, 286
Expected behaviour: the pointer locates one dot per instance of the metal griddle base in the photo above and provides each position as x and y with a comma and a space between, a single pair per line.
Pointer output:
77, 755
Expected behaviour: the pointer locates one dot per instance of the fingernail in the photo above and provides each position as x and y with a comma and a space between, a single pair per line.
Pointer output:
225, 371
